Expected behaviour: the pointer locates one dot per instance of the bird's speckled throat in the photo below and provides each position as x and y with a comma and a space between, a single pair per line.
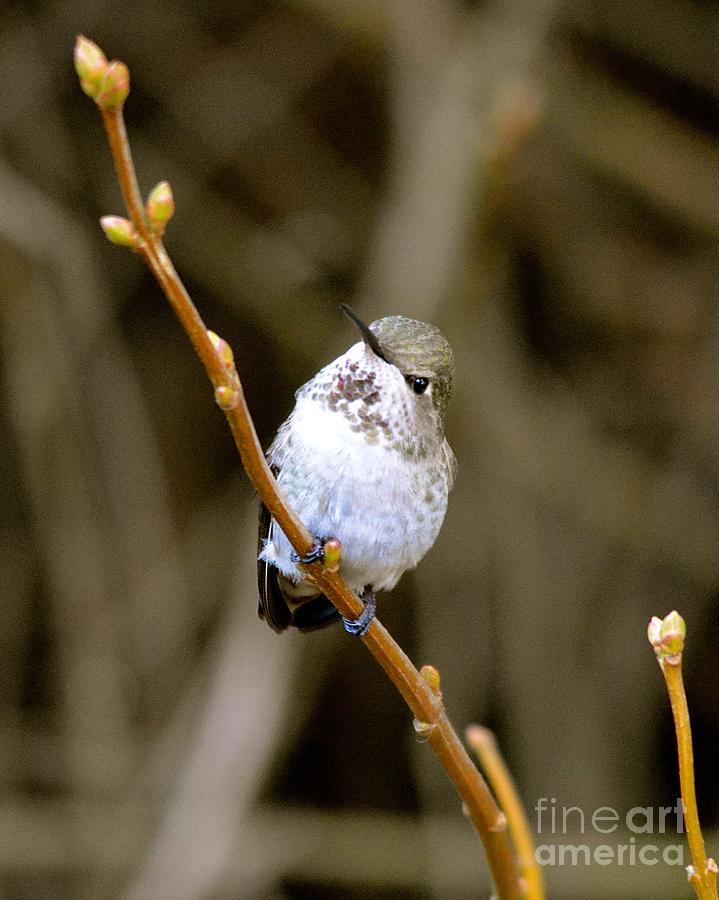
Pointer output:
365, 391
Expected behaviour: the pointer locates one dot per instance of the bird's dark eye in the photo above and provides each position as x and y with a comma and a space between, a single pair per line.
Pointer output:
418, 385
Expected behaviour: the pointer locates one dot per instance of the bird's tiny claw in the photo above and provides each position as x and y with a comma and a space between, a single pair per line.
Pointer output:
316, 554
360, 625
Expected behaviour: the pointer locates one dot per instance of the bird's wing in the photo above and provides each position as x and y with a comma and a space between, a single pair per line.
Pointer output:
272, 606
280, 609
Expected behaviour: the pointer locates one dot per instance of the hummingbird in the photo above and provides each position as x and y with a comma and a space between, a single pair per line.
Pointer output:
362, 458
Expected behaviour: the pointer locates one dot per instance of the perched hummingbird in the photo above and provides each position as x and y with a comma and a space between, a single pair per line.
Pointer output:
362, 458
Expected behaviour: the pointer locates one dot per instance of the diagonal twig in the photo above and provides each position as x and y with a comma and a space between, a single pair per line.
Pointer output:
108, 84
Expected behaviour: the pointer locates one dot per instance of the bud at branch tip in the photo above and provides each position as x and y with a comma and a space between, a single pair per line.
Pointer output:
160, 206
119, 231
478, 737
222, 349
226, 397
115, 86
667, 637
431, 678
331, 554
90, 65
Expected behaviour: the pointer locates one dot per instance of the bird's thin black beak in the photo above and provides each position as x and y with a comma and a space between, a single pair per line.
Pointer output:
369, 337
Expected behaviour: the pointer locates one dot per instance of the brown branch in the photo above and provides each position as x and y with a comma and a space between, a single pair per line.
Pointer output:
423, 698
122, 157
667, 637
484, 745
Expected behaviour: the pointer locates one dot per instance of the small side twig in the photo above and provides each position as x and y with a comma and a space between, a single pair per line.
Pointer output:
108, 85
667, 637
483, 743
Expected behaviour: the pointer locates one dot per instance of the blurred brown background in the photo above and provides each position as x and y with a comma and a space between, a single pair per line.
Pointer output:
539, 179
